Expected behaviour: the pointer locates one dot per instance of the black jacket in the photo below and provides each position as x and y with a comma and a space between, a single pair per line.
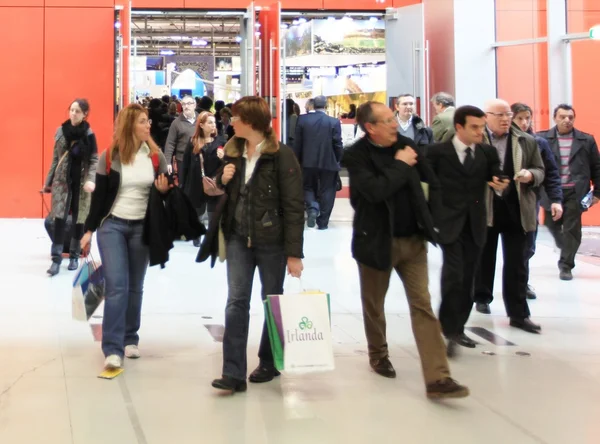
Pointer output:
551, 190
191, 171
584, 161
423, 134
318, 141
462, 192
275, 200
374, 182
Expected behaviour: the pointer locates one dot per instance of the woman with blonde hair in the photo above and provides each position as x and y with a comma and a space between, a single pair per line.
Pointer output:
71, 180
202, 158
125, 176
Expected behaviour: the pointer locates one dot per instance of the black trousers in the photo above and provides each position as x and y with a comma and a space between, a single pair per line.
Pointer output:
319, 193
458, 281
514, 273
567, 230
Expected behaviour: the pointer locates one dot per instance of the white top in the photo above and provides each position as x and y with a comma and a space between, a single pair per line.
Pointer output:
461, 149
136, 182
251, 163
404, 125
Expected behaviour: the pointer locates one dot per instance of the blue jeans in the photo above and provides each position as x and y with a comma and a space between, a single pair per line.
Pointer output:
241, 264
125, 260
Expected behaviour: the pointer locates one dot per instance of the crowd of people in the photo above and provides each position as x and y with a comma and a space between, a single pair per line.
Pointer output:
475, 176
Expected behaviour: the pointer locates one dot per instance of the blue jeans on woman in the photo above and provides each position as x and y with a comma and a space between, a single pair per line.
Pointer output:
125, 260
241, 264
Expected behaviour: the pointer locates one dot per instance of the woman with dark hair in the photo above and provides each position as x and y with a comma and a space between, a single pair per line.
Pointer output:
263, 226
291, 121
202, 157
71, 179
120, 205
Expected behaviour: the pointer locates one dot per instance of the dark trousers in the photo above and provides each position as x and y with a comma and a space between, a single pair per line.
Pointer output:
458, 281
409, 259
319, 193
125, 260
58, 240
241, 265
514, 276
567, 230
531, 243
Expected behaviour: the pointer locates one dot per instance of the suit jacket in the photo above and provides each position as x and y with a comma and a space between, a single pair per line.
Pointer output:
462, 192
318, 141
584, 161
443, 125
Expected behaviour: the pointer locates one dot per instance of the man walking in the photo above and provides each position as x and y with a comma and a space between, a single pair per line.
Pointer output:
443, 123
181, 131
576, 155
464, 166
318, 147
391, 222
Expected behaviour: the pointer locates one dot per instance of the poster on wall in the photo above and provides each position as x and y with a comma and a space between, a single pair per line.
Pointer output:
298, 40
348, 36
223, 63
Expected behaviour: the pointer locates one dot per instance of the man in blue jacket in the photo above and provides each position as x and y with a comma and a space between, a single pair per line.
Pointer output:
318, 147
522, 115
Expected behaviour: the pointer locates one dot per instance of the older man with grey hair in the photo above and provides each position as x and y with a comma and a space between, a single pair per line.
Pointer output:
181, 131
443, 123
510, 214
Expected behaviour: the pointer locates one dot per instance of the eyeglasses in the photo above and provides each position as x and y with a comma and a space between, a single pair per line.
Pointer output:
188, 103
501, 115
149, 122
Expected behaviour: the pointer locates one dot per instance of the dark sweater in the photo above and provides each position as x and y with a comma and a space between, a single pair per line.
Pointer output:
403, 214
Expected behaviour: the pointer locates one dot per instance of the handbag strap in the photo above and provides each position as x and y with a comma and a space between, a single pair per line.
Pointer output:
201, 154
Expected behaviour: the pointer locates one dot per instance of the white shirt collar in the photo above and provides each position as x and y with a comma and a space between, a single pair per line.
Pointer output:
461, 147
259, 148
402, 124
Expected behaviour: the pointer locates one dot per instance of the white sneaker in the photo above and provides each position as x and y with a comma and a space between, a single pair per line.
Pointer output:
132, 351
112, 362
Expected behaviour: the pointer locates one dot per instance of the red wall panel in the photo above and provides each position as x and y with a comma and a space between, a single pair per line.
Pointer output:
164, 4
21, 36
80, 3
208, 4
400, 3
79, 62
21, 3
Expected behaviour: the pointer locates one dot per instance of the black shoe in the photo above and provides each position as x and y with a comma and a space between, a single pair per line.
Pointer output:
530, 293
230, 384
447, 388
323, 227
463, 340
484, 308
383, 367
73, 264
525, 325
263, 373
311, 221
54, 269
565, 274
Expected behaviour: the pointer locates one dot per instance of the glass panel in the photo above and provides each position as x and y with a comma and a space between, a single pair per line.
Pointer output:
523, 77
582, 15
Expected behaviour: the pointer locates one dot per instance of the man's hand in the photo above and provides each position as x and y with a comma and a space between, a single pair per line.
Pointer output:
407, 155
228, 173
557, 211
499, 185
295, 267
524, 176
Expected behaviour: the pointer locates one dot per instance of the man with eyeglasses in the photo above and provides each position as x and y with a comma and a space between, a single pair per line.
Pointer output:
511, 214
181, 131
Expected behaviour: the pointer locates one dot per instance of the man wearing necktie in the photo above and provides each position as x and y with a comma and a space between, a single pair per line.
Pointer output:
465, 167
511, 214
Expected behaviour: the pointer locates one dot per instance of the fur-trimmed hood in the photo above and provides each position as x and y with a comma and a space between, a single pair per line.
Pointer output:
235, 146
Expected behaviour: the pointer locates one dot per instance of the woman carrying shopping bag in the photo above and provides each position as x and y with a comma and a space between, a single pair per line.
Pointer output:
71, 180
202, 158
119, 211
263, 226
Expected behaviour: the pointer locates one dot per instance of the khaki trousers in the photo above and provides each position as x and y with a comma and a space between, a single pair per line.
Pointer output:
409, 259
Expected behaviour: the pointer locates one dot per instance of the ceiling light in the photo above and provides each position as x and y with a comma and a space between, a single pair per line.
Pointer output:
167, 52
199, 42
301, 20
238, 39
118, 24
373, 19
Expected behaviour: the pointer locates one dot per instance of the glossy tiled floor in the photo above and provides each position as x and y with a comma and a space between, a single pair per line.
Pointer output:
49, 392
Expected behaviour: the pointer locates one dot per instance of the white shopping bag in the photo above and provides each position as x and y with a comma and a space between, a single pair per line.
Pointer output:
307, 342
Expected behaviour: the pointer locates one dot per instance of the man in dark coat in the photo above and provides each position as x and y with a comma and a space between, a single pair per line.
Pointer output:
318, 147
391, 222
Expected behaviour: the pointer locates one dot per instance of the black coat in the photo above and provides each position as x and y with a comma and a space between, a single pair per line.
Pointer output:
462, 192
191, 172
318, 141
374, 182
584, 161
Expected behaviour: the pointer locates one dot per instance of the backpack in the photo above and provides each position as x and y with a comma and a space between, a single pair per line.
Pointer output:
155, 163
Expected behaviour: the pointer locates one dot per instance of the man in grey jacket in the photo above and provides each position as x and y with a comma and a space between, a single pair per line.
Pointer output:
181, 131
511, 214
